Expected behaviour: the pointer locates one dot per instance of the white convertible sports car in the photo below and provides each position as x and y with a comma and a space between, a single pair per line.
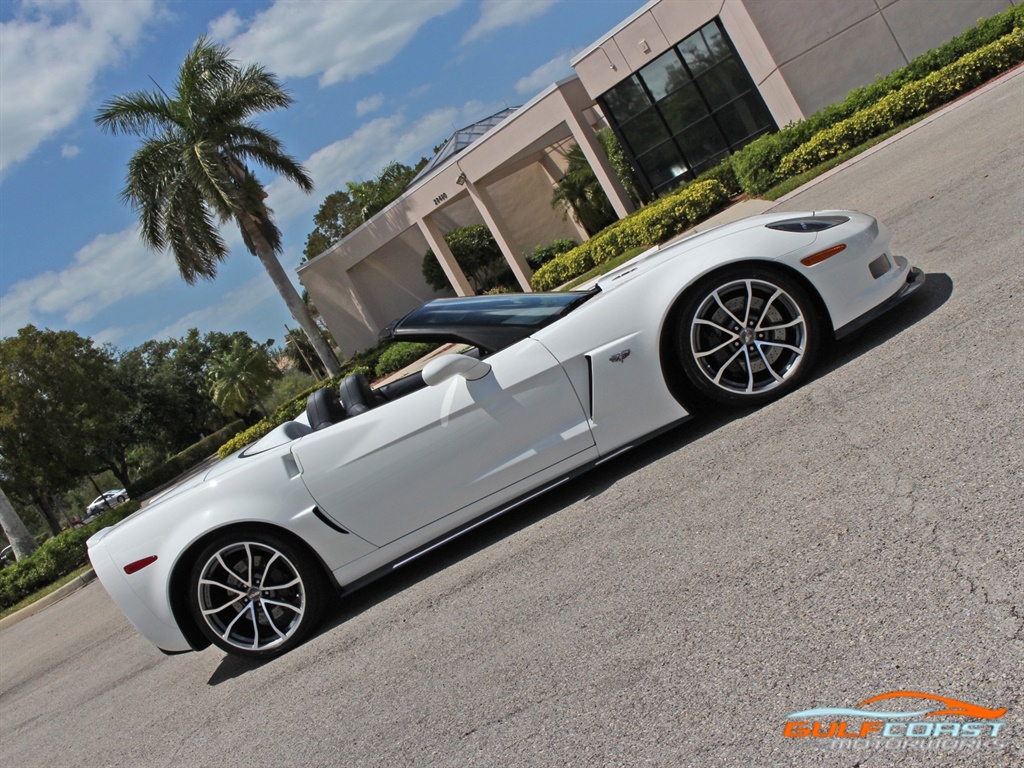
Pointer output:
247, 555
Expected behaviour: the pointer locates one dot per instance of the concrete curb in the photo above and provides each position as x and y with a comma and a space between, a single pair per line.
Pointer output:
54, 597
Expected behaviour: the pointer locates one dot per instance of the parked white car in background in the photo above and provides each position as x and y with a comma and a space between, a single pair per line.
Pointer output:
105, 501
246, 555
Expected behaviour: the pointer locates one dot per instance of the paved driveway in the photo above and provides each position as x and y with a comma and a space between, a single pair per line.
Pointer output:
863, 535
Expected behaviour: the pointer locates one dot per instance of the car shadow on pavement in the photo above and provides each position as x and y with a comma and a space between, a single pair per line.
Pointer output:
930, 297
935, 292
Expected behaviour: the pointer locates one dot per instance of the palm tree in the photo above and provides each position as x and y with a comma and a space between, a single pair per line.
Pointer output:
580, 193
240, 377
190, 172
14, 529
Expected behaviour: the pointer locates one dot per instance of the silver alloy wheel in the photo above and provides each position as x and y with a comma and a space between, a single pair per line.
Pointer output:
251, 596
748, 336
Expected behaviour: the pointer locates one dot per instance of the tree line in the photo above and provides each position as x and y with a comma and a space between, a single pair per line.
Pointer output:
70, 409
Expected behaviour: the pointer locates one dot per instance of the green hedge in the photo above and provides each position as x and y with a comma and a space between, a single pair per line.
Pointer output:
652, 224
757, 164
183, 461
910, 101
542, 254
725, 175
54, 558
401, 354
289, 410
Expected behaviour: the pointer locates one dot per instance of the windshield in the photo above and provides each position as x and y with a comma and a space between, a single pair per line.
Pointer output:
488, 322
525, 310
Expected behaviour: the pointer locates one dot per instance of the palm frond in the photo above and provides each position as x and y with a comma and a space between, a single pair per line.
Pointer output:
140, 113
190, 172
249, 92
205, 71
151, 172
277, 162
204, 165
193, 236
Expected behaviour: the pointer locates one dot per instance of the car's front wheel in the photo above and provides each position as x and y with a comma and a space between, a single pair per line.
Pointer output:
255, 595
747, 335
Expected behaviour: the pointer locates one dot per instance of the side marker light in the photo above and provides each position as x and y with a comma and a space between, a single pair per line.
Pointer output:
138, 565
820, 256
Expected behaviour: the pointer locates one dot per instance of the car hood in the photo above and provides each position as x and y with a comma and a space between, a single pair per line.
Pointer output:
660, 254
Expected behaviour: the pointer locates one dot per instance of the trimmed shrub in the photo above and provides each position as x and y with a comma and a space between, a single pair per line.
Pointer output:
756, 165
910, 101
54, 558
401, 354
653, 224
183, 461
725, 175
542, 254
293, 408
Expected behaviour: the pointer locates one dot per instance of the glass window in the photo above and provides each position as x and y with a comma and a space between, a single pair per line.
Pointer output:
702, 140
686, 110
626, 99
696, 54
711, 162
527, 309
664, 75
644, 131
743, 119
724, 82
663, 164
716, 42
683, 108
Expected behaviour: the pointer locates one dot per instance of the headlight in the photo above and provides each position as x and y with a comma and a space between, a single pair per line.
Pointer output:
809, 223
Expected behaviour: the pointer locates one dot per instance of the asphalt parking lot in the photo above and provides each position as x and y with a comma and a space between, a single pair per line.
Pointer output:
861, 536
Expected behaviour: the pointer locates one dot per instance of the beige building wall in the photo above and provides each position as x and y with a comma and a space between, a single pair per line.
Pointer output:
802, 54
504, 180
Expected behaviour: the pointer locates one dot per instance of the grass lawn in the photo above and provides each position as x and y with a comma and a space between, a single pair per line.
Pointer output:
45, 591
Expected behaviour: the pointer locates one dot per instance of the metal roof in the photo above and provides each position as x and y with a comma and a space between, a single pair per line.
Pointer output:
461, 139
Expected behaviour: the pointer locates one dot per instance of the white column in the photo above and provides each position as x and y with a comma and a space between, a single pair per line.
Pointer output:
598, 160
485, 206
451, 267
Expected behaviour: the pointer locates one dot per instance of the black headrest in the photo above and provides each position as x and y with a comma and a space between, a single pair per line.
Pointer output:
324, 408
356, 394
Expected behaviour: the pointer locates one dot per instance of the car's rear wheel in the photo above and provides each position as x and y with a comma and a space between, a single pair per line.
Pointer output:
747, 335
255, 595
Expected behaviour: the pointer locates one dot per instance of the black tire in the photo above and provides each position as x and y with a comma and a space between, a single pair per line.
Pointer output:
236, 608
747, 335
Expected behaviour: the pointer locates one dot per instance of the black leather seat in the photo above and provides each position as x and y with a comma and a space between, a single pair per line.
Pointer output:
356, 395
324, 408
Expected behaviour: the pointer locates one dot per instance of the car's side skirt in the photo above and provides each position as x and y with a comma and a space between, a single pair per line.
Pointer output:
487, 517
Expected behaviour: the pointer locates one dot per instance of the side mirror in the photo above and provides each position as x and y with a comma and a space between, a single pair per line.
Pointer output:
442, 368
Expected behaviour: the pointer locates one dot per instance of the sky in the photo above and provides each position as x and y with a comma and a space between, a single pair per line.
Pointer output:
373, 81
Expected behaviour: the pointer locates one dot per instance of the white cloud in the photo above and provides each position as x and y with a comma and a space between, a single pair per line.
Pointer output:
70, 150
544, 75
369, 104
227, 26
227, 314
372, 146
496, 14
50, 55
108, 269
335, 40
